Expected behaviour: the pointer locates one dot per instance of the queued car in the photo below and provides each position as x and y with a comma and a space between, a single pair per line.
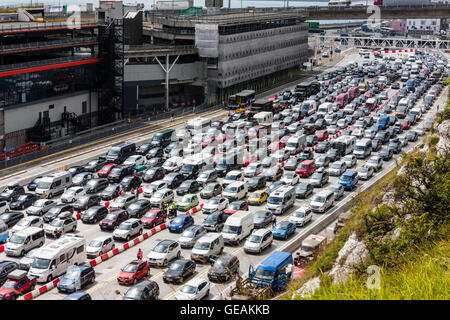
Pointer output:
283, 230
180, 223
179, 270
133, 272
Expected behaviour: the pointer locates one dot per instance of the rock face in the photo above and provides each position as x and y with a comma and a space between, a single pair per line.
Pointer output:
352, 253
443, 131
308, 288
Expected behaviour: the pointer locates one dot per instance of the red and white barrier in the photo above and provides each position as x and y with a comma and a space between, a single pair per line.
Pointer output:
195, 209
37, 292
2, 248
298, 272
394, 51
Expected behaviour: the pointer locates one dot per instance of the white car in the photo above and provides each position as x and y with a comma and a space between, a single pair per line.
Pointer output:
301, 216
164, 252
337, 168
350, 160
72, 194
173, 164
127, 229
196, 289
215, 204
135, 160
258, 240
365, 172
232, 176
349, 108
192, 148
123, 201
29, 221
376, 162
290, 178
60, 226
183, 135
99, 246
149, 189
253, 169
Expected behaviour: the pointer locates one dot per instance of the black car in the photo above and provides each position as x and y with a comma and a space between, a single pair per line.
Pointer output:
411, 136
12, 192
144, 290
96, 185
262, 218
188, 186
144, 148
130, 182
386, 154
320, 178
395, 146
153, 174
223, 268
173, 179
383, 136
292, 164
322, 147
311, 140
95, 165
86, 202
11, 218
94, 214
54, 212
155, 152
110, 192
6, 267
119, 172
211, 190
80, 179
179, 270
333, 154
215, 221
376, 145
256, 183
139, 208
303, 190
23, 201
76, 170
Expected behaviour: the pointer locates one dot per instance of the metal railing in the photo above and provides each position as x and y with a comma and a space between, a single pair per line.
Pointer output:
46, 62
15, 26
46, 44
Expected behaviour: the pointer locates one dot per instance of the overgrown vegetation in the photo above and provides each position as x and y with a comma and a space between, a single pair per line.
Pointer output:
445, 114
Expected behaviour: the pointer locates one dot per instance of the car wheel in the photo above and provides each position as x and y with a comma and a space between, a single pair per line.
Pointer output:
22, 252
74, 228
207, 294
165, 262
128, 238
140, 232
49, 278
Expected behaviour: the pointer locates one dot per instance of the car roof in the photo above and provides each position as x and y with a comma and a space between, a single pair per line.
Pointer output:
102, 238
196, 282
166, 242
260, 232
77, 294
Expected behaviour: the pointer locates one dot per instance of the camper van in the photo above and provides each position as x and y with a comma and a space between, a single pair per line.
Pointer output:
52, 260
237, 227
24, 240
264, 118
363, 148
345, 144
198, 125
281, 199
296, 144
54, 184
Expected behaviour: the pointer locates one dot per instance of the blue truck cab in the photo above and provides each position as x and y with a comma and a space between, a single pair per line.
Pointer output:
275, 271
4, 233
383, 122
410, 84
349, 179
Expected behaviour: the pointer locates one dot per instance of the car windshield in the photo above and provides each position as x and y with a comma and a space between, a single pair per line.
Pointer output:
72, 274
230, 189
111, 188
264, 274
345, 178
125, 226
188, 289
95, 243
111, 217
22, 198
336, 165
133, 293
16, 239
178, 220
275, 200
231, 229
42, 185
57, 223
39, 263
202, 245
204, 175
134, 206
130, 268
282, 226
113, 152
289, 175
160, 248
116, 171
10, 284
188, 233
318, 199
23, 223
211, 218
299, 214
255, 239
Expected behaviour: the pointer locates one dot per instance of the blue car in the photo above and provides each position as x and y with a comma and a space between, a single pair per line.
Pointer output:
79, 295
33, 184
76, 278
349, 179
180, 223
283, 230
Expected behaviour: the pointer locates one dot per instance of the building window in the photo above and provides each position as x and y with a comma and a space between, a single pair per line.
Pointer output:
84, 107
52, 106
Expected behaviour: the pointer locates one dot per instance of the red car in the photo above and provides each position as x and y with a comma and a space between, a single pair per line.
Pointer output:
104, 172
249, 158
236, 206
342, 100
221, 138
368, 94
17, 284
306, 168
154, 217
134, 271
405, 124
322, 135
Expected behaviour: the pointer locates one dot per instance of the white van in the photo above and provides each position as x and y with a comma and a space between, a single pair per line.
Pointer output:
23, 241
237, 227
363, 148
235, 191
264, 118
198, 125
258, 241
211, 244
322, 201
53, 259
324, 109
403, 103
296, 144
415, 69
281, 199
54, 184
417, 112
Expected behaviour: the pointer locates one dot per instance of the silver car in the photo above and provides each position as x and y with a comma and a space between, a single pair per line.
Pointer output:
190, 236
365, 172
40, 207
337, 168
